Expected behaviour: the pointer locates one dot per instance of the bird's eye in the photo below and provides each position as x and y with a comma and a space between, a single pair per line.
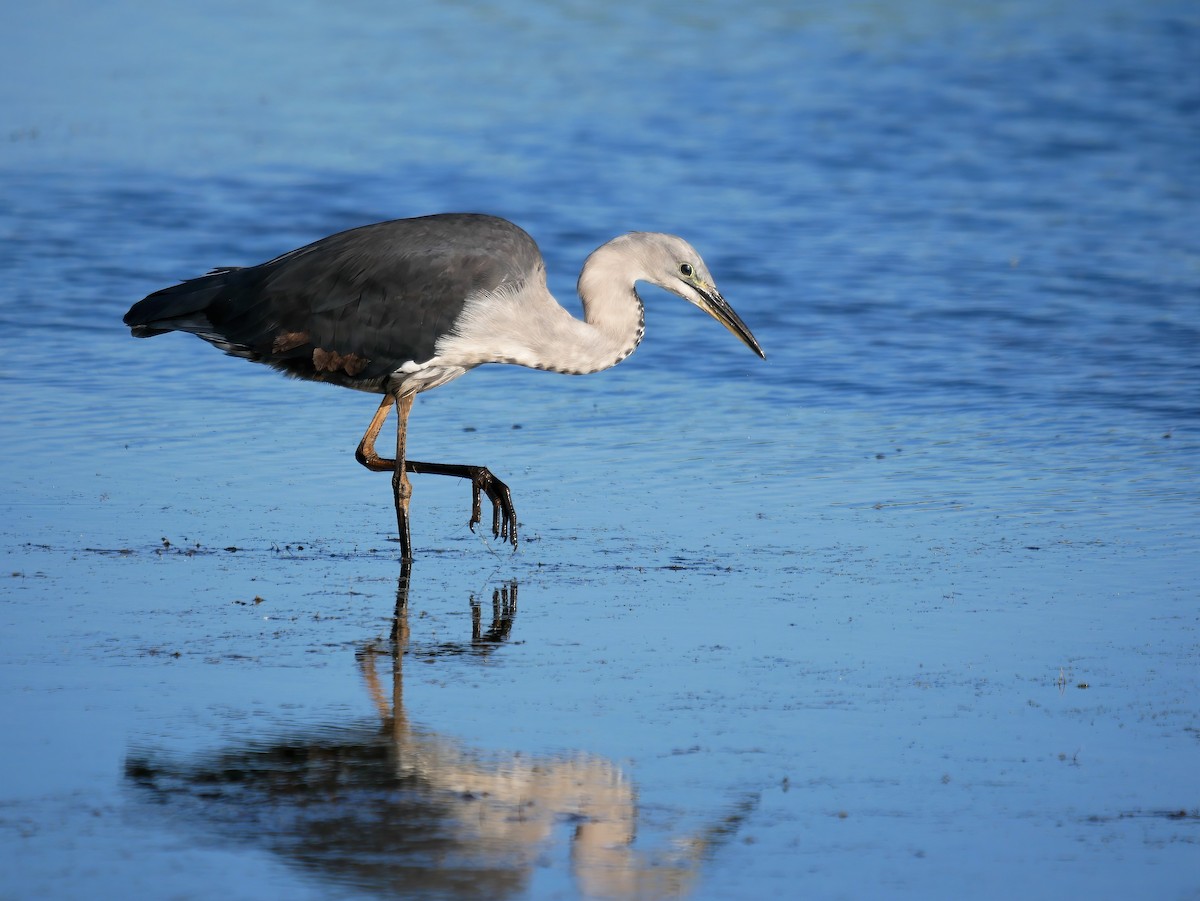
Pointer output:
685, 269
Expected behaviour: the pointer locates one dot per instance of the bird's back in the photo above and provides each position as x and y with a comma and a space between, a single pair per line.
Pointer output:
351, 308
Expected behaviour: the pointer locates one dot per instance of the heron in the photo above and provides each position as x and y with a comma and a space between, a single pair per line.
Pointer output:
400, 307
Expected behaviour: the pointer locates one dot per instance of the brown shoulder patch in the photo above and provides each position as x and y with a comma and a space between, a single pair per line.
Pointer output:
332, 361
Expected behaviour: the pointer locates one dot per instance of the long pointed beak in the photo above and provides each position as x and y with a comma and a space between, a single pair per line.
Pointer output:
715, 306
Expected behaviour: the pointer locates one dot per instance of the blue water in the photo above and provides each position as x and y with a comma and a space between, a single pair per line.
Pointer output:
909, 609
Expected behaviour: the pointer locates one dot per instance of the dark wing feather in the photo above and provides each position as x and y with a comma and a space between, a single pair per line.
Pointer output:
353, 307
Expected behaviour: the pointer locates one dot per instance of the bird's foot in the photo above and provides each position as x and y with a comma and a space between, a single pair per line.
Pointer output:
504, 515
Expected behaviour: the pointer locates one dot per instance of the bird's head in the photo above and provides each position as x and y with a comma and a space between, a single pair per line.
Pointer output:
673, 264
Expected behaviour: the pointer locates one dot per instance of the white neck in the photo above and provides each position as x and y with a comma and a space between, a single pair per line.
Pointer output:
528, 327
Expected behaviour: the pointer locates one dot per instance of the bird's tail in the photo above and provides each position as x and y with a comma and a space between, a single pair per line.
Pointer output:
180, 308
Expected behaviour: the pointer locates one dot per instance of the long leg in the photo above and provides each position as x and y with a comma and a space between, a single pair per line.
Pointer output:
401, 487
504, 515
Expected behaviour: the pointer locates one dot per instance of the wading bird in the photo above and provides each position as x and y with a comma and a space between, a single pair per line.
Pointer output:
400, 307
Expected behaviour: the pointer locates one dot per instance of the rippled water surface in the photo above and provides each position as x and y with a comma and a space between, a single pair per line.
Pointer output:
909, 609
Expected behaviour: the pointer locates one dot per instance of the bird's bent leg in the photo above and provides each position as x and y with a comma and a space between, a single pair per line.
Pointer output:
401, 487
365, 454
504, 515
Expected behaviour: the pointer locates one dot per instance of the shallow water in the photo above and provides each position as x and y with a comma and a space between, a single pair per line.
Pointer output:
909, 609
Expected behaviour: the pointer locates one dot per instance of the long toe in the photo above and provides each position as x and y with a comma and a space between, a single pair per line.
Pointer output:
476, 503
504, 516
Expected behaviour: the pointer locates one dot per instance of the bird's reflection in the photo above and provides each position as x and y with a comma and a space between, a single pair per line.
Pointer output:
403, 809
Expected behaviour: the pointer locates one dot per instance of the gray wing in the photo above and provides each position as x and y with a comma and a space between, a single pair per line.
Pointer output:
353, 307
